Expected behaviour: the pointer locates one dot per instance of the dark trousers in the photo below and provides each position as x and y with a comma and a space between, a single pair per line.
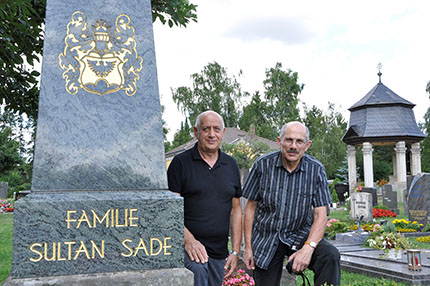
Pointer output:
325, 263
210, 273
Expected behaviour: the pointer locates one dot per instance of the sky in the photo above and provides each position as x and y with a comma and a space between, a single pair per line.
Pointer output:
334, 46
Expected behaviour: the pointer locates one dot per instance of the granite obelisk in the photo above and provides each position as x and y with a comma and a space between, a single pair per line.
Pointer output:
99, 200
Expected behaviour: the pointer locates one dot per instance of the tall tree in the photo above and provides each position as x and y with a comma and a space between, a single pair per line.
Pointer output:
21, 46
255, 115
326, 130
425, 144
282, 95
212, 89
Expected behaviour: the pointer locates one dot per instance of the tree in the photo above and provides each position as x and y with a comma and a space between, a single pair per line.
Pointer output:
213, 90
255, 114
281, 94
182, 136
326, 130
21, 46
425, 144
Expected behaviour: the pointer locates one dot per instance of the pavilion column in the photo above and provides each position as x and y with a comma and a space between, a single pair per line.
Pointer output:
415, 159
394, 168
368, 164
401, 168
352, 168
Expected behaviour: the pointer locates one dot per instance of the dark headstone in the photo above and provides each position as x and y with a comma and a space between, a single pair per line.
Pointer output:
4, 190
389, 197
20, 194
99, 200
341, 190
371, 191
409, 179
419, 199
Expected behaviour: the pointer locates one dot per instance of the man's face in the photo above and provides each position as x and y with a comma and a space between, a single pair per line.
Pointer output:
293, 144
210, 133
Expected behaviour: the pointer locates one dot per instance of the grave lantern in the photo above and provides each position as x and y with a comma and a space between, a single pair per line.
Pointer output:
414, 259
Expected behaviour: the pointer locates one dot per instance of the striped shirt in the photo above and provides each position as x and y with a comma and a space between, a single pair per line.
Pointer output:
284, 203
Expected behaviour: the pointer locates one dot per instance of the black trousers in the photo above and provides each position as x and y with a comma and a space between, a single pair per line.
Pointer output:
325, 263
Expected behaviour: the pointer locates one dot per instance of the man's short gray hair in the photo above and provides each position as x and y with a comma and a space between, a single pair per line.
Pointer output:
201, 115
281, 135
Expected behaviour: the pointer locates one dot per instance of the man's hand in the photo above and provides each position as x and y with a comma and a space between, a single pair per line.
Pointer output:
194, 248
302, 258
230, 265
248, 259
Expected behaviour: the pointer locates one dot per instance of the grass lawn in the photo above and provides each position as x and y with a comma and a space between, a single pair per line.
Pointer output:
6, 235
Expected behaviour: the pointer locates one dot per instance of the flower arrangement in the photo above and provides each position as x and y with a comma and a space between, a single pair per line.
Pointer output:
380, 239
403, 225
239, 278
381, 182
383, 213
425, 239
6, 206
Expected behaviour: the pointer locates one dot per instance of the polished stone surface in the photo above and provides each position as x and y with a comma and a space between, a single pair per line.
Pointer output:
173, 276
419, 199
97, 232
90, 141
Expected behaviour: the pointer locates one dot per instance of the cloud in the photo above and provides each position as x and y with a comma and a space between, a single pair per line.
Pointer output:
289, 31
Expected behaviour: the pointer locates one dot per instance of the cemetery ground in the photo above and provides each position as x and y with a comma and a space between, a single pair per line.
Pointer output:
348, 278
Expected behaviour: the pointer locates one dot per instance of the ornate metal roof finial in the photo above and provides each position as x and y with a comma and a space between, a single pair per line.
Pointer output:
379, 71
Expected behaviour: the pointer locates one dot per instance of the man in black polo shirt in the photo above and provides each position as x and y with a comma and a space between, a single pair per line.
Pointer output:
285, 214
209, 182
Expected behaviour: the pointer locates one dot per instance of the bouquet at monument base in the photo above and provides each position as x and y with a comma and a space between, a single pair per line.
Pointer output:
239, 278
386, 241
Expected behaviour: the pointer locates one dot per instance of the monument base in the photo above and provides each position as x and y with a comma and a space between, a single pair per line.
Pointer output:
159, 277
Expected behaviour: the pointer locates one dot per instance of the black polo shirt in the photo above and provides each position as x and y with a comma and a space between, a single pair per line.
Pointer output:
208, 194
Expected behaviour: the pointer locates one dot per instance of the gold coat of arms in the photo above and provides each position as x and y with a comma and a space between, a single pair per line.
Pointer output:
102, 60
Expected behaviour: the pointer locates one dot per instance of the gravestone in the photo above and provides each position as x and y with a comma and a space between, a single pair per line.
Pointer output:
99, 202
4, 190
361, 205
419, 199
371, 191
341, 190
389, 197
409, 179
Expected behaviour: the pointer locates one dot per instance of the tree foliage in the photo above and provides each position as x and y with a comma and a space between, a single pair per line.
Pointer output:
326, 130
425, 144
212, 89
246, 154
21, 46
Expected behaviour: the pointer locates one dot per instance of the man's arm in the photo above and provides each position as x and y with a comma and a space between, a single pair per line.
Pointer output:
248, 257
303, 256
236, 236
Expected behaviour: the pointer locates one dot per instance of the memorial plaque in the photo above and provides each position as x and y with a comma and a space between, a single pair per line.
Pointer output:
99, 200
389, 197
419, 199
361, 205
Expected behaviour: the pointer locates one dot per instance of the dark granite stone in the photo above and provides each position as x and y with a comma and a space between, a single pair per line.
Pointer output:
419, 199
91, 141
371, 191
341, 190
4, 190
41, 218
389, 197
409, 179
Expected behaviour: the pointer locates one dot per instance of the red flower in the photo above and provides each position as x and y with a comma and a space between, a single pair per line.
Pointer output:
383, 213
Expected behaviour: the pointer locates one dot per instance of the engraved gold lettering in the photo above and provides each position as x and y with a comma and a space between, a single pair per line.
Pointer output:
140, 246
36, 251
125, 218
59, 258
68, 220
69, 252
52, 258
96, 218
84, 217
132, 218
81, 249
166, 246
160, 246
124, 243
95, 248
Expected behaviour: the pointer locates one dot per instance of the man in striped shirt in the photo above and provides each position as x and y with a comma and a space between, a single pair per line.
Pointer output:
286, 213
